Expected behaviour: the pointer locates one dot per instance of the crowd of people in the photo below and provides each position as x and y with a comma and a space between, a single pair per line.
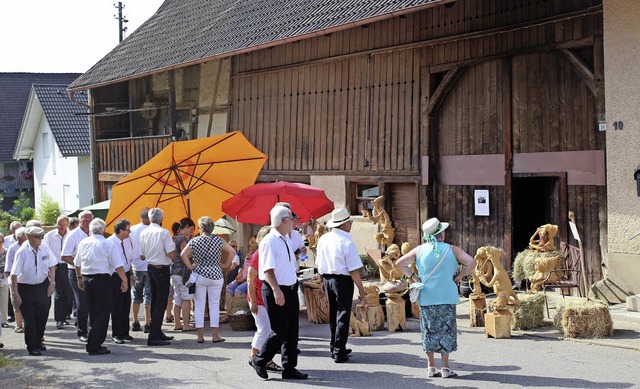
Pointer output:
171, 273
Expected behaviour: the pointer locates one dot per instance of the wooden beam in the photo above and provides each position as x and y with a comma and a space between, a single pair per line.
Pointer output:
172, 102
444, 88
508, 161
581, 69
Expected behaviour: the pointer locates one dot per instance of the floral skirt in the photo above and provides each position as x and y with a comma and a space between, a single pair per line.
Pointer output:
439, 328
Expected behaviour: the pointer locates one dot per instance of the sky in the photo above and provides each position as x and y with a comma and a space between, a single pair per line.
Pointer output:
65, 36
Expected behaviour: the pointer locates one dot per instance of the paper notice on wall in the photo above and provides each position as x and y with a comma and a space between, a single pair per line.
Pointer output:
481, 201
574, 231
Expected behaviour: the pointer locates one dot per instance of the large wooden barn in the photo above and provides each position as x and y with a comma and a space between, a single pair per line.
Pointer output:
426, 102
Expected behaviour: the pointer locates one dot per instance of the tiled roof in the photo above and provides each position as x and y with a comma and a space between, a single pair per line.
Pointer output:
186, 31
14, 94
70, 131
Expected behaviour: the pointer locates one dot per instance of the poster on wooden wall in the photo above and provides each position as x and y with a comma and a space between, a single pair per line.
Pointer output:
481, 201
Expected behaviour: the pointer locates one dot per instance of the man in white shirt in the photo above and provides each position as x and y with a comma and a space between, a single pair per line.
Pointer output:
121, 251
277, 265
94, 266
339, 264
63, 296
33, 281
11, 254
69, 251
158, 249
141, 292
11, 239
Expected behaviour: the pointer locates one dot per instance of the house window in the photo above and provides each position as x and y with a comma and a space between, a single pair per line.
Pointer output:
67, 198
364, 193
46, 145
109, 188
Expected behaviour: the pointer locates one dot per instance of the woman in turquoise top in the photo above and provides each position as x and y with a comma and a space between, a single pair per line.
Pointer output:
437, 263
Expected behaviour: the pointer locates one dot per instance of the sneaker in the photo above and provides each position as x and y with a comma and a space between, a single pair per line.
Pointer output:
136, 326
147, 328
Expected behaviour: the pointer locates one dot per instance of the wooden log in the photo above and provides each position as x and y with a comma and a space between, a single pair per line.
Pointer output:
373, 314
498, 324
396, 316
317, 306
477, 307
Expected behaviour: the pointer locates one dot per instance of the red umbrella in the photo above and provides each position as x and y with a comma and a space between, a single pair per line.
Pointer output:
253, 203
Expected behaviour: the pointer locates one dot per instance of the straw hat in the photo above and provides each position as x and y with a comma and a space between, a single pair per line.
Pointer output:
433, 226
339, 217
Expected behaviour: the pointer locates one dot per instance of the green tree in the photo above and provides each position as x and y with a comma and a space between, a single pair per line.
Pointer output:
22, 208
48, 210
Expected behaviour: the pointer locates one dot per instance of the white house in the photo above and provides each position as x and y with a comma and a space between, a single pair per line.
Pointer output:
56, 139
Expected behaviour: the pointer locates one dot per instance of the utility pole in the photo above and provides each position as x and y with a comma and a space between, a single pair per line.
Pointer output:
121, 21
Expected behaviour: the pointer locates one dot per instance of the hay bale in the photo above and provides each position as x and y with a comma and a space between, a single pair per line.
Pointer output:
239, 303
524, 265
529, 313
579, 318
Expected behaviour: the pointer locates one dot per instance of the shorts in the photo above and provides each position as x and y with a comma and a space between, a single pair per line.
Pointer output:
141, 288
236, 289
180, 292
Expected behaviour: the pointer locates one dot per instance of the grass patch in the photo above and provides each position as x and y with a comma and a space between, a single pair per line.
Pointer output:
6, 361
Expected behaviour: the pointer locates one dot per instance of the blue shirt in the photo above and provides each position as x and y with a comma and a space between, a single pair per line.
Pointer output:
439, 288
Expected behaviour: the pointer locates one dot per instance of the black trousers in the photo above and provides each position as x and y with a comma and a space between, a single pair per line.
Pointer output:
120, 306
340, 295
284, 327
63, 296
35, 311
97, 289
81, 304
159, 278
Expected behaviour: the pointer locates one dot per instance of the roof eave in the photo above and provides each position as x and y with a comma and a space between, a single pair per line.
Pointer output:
33, 115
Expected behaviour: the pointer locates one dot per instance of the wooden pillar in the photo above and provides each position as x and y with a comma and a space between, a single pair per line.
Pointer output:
508, 160
172, 102
477, 307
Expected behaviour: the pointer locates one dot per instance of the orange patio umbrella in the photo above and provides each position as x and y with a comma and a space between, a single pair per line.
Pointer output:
188, 179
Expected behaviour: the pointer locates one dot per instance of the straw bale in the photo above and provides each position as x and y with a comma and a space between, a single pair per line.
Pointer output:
529, 313
524, 265
239, 303
578, 318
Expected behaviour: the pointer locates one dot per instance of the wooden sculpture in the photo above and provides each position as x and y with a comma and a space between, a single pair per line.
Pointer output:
313, 239
317, 303
542, 239
388, 269
371, 311
396, 314
544, 267
359, 327
379, 215
490, 272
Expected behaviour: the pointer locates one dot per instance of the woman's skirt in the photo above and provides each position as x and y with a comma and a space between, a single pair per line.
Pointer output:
439, 329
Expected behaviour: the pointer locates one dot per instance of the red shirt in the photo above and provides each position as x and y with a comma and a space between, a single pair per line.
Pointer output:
254, 263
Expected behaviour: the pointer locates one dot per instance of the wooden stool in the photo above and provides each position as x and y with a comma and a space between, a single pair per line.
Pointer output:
498, 324
396, 314
477, 307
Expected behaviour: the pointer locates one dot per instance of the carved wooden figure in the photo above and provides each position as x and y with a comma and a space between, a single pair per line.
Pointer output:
359, 327
313, 239
317, 303
542, 239
371, 311
381, 217
497, 278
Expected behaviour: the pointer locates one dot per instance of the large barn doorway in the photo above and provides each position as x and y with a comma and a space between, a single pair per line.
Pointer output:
536, 200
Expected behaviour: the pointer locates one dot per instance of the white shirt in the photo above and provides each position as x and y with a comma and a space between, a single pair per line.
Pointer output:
11, 255
55, 242
296, 240
8, 241
93, 256
32, 267
71, 242
273, 254
336, 253
120, 257
155, 244
138, 264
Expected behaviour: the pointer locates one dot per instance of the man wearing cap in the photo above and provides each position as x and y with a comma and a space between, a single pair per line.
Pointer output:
63, 296
33, 281
277, 264
158, 249
69, 251
339, 264
94, 266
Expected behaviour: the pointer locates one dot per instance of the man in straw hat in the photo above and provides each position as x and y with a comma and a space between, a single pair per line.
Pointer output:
339, 264
277, 264
33, 277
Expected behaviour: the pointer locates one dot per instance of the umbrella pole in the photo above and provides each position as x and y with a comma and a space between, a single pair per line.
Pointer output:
188, 206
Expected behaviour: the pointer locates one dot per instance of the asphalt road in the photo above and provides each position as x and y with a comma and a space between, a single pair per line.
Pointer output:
384, 360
